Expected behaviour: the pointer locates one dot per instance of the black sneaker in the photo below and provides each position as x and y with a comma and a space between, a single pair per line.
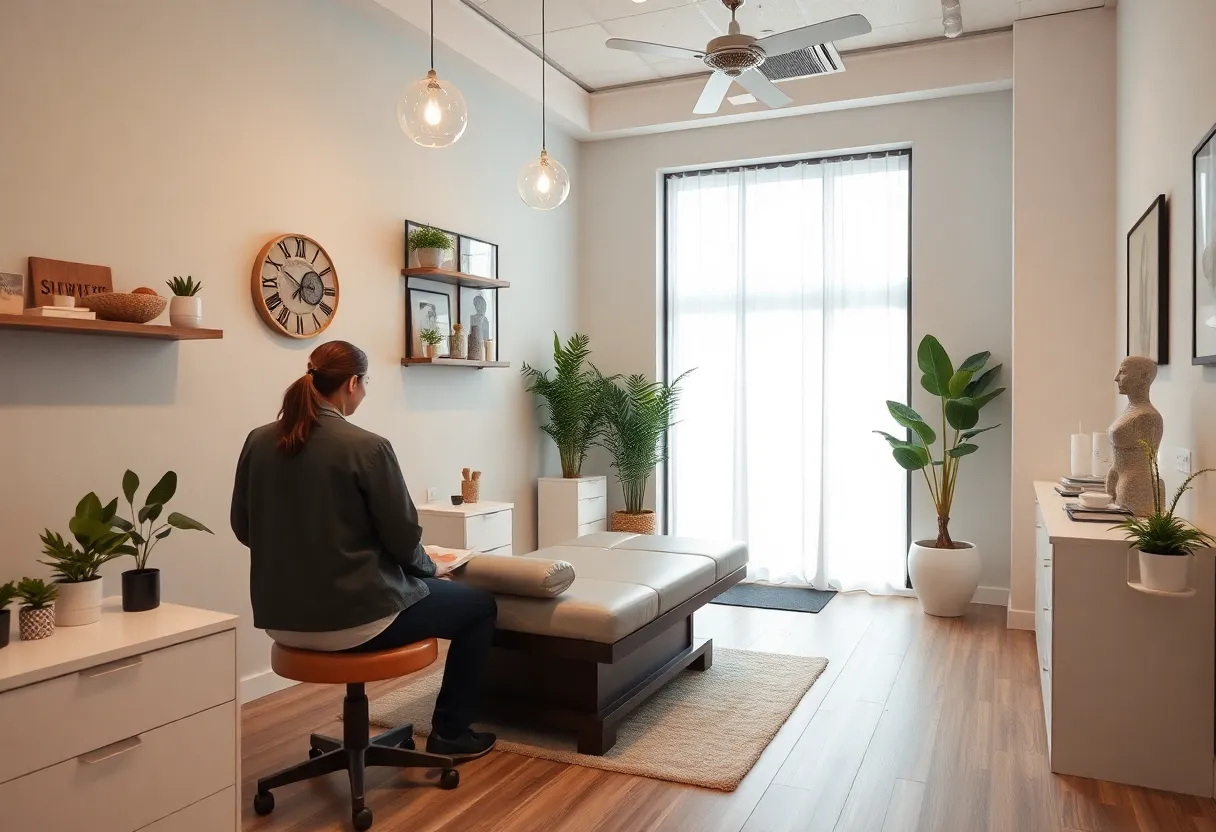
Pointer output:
468, 746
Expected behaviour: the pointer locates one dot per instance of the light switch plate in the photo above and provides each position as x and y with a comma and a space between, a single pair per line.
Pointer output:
1182, 460
432, 494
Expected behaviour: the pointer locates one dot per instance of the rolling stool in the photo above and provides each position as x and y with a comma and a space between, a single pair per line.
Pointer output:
356, 750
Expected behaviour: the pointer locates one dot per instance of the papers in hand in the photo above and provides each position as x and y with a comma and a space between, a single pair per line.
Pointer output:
447, 559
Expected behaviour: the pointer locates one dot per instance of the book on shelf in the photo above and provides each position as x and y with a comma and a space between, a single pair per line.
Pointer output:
61, 312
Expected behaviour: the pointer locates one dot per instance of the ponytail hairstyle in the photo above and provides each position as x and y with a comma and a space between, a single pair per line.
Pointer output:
330, 366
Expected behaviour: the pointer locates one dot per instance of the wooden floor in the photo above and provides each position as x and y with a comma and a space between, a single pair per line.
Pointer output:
918, 723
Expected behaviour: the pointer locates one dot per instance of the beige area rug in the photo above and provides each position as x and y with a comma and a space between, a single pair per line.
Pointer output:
704, 728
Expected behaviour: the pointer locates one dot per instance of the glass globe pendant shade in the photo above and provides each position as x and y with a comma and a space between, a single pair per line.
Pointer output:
432, 112
544, 183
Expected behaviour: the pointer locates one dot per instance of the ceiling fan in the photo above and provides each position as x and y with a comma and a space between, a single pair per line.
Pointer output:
737, 57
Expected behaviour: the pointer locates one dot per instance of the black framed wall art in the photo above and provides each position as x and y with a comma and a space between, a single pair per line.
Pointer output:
1148, 283
428, 310
1203, 254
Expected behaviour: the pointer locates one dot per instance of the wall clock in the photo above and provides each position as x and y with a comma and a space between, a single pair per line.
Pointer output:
295, 287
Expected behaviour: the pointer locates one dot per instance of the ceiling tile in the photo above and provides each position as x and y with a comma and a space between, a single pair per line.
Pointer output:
679, 26
603, 10
612, 77
582, 49
523, 16
766, 17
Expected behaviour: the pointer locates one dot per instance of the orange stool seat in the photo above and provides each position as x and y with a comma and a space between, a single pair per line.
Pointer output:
352, 668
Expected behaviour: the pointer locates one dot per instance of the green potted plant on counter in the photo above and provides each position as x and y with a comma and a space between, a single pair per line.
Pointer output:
141, 585
1165, 541
944, 572
76, 570
430, 245
572, 397
37, 616
186, 308
8, 592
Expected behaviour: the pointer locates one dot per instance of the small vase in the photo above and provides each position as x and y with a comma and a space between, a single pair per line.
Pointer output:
6, 624
36, 624
1166, 573
624, 521
470, 491
457, 347
78, 603
488, 344
186, 311
140, 590
431, 258
428, 350
476, 351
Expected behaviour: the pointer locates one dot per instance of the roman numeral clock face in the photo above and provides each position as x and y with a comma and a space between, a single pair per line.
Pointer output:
295, 287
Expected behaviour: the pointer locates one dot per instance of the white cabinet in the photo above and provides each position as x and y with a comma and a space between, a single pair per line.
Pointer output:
570, 508
1127, 678
481, 526
130, 723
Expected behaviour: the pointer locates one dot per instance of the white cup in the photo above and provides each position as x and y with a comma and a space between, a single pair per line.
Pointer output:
1094, 499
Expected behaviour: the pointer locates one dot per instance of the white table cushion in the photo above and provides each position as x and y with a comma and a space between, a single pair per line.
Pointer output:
675, 578
728, 555
590, 610
601, 540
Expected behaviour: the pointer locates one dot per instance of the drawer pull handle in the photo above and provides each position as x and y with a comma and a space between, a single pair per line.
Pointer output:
112, 667
110, 751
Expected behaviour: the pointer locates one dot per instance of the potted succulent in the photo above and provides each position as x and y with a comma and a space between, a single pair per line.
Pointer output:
944, 572
186, 308
430, 342
141, 585
1164, 540
37, 616
571, 396
8, 592
636, 417
430, 245
76, 570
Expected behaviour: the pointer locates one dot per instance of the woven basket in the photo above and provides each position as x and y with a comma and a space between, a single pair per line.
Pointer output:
36, 624
470, 490
125, 306
623, 521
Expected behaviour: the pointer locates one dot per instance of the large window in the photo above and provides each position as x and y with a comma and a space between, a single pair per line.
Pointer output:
788, 298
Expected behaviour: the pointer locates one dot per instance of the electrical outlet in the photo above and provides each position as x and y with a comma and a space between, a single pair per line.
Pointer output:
432, 494
1182, 460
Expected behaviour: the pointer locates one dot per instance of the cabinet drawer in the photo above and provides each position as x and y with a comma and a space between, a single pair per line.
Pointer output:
213, 814
488, 531
590, 489
58, 719
130, 784
600, 525
592, 509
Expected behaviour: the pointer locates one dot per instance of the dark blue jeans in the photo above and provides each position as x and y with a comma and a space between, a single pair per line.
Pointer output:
465, 616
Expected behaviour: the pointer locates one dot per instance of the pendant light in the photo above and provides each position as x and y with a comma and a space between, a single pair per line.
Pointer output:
543, 183
430, 111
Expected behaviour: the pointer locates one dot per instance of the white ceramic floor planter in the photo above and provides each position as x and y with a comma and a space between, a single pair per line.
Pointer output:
186, 311
78, 603
1165, 573
944, 580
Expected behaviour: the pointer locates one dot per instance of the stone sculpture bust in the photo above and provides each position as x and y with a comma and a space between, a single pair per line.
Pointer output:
1130, 480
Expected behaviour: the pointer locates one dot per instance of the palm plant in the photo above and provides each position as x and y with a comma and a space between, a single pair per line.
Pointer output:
92, 528
571, 396
636, 416
36, 594
142, 528
1162, 532
184, 288
962, 395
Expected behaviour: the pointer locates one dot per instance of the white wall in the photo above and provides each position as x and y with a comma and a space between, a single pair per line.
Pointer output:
1167, 103
176, 138
961, 258
1064, 196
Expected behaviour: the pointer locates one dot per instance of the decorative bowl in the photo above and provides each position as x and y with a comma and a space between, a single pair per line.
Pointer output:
1094, 499
125, 306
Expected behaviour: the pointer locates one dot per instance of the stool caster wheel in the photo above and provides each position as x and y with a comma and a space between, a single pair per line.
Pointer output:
408, 744
450, 779
362, 819
314, 753
263, 803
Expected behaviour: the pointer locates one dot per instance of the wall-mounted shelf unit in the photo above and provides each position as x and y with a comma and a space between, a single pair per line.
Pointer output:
452, 362
457, 278
112, 328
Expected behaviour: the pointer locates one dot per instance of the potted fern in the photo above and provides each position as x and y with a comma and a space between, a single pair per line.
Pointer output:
430, 245
571, 397
37, 616
75, 570
141, 585
8, 592
945, 572
637, 415
1164, 540
186, 308
430, 342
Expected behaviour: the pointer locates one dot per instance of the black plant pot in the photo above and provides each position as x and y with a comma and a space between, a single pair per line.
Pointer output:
140, 590
6, 621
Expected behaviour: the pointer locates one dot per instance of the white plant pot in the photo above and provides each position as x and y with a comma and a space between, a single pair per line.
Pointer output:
944, 580
78, 603
1167, 573
186, 311
431, 258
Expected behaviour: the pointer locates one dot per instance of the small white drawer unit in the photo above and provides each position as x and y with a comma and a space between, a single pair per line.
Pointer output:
127, 724
570, 508
482, 526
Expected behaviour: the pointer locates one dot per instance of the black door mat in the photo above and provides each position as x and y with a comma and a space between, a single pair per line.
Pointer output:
792, 598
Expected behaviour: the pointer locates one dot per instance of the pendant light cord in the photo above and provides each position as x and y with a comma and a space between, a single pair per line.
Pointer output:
543, 60
432, 34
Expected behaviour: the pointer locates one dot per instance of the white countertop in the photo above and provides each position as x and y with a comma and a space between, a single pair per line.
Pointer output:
464, 509
116, 636
1059, 527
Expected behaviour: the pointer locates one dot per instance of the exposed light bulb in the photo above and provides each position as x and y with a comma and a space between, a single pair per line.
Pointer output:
432, 114
543, 184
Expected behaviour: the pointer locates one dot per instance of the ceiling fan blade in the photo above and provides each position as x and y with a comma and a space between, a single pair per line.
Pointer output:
712, 95
766, 91
826, 32
658, 49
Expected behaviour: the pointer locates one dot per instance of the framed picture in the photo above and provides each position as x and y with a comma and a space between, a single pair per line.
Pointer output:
1148, 284
427, 310
1203, 257
479, 308
12, 294
411, 259
477, 257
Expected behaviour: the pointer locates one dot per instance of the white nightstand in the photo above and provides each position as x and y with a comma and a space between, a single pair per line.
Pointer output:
482, 526
570, 508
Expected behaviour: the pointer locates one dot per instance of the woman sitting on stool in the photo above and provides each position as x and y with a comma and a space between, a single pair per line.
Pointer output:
336, 561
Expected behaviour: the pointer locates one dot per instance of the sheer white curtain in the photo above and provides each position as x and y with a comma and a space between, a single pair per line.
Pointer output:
788, 294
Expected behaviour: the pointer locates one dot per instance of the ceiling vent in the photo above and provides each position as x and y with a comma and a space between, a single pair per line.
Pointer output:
818, 60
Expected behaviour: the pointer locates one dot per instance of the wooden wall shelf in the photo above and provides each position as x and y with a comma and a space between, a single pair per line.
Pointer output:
457, 278
113, 328
452, 362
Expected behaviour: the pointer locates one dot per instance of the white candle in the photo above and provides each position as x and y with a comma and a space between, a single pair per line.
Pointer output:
1082, 454
1103, 456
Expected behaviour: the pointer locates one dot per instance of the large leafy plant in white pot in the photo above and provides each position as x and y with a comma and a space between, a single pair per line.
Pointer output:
944, 572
